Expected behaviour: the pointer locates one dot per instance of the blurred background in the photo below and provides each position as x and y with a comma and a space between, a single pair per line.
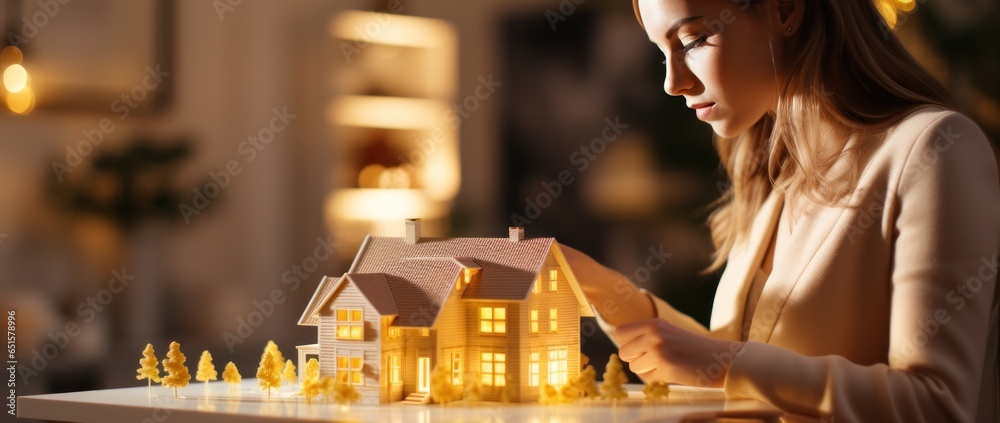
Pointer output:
188, 170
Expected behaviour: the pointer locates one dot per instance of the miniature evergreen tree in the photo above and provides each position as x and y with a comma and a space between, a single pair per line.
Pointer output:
474, 388
312, 370
614, 379
507, 389
150, 369
206, 370
177, 373
547, 394
345, 393
568, 393
231, 375
656, 390
289, 372
311, 388
326, 387
268, 374
279, 359
585, 383
442, 389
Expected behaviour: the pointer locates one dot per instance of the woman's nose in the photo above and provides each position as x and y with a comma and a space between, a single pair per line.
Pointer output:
678, 79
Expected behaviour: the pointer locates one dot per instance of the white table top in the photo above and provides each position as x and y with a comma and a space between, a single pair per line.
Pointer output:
216, 403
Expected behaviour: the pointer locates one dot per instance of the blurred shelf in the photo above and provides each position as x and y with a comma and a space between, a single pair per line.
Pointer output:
388, 112
396, 144
383, 204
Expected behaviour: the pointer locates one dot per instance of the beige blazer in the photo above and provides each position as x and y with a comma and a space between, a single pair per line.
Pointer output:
882, 312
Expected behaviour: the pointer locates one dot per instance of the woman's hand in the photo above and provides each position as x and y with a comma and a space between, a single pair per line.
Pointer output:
615, 297
655, 349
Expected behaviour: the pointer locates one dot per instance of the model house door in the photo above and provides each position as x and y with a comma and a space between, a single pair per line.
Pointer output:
423, 374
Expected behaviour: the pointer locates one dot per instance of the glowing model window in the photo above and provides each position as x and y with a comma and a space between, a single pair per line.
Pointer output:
557, 366
349, 369
534, 321
492, 320
468, 274
456, 368
493, 367
533, 367
349, 323
395, 332
553, 320
553, 279
394, 367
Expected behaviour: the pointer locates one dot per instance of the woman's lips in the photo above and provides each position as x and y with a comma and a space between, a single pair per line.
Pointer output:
703, 110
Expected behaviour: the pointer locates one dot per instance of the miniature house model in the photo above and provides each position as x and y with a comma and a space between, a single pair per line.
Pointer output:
503, 310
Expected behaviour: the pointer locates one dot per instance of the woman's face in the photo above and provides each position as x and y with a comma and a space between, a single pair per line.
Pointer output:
718, 57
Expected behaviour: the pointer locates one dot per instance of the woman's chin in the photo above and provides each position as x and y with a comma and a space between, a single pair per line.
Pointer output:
724, 131
725, 128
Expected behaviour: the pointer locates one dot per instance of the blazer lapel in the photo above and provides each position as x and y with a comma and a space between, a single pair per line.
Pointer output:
744, 262
790, 263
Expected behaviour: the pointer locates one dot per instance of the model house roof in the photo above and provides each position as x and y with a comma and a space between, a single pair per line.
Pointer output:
375, 288
413, 280
311, 315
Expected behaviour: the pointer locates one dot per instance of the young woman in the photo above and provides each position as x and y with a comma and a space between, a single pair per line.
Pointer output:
860, 234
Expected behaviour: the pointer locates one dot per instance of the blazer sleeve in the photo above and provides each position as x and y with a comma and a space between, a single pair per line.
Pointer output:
946, 211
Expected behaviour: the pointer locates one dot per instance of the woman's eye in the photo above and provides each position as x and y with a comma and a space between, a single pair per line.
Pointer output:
691, 46
694, 44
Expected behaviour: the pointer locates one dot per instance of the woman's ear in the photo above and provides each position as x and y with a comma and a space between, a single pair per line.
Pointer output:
786, 15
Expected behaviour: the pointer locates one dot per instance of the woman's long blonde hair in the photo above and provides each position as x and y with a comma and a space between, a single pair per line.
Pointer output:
844, 67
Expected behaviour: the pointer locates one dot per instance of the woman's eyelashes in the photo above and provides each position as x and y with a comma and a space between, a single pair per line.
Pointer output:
694, 44
691, 46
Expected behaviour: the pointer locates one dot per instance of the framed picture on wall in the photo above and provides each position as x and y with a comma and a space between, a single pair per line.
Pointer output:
99, 56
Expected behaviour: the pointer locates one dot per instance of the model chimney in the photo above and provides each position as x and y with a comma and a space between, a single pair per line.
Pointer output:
412, 231
516, 233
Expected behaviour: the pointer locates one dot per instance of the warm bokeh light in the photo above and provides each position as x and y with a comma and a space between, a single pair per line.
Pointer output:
10, 55
15, 78
394, 177
21, 102
370, 175
889, 8
906, 5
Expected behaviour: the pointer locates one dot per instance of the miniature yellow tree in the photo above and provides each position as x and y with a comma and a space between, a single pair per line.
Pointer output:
656, 390
547, 394
614, 380
568, 393
312, 370
177, 373
231, 375
474, 388
345, 393
326, 387
507, 389
279, 359
268, 374
206, 370
585, 383
310, 388
150, 369
289, 372
442, 389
